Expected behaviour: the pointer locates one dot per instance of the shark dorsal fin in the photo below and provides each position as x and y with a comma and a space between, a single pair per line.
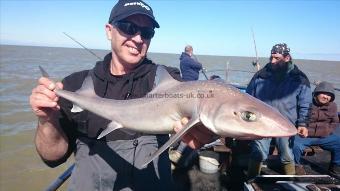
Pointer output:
87, 88
163, 80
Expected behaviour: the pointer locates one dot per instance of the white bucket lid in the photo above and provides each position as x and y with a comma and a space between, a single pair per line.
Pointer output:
210, 160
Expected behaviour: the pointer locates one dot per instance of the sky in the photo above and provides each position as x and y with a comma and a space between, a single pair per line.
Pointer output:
311, 29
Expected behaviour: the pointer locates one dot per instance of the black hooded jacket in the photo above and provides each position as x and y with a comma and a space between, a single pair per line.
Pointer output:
110, 163
135, 84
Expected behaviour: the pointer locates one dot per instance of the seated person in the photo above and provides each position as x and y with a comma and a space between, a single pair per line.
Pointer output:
323, 119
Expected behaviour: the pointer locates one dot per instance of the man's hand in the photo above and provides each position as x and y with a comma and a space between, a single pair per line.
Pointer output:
302, 131
50, 140
197, 136
43, 99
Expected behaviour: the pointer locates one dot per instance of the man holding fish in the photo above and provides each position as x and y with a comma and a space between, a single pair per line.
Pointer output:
125, 73
120, 138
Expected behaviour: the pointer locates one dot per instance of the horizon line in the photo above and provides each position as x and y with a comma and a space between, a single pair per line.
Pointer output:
337, 55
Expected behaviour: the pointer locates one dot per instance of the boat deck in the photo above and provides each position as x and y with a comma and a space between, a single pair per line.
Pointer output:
232, 174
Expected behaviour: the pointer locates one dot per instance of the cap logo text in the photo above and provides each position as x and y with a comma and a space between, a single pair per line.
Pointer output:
137, 3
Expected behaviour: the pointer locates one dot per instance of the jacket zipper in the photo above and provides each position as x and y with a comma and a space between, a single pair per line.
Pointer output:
135, 144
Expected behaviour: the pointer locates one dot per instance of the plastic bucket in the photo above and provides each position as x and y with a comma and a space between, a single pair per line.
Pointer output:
208, 162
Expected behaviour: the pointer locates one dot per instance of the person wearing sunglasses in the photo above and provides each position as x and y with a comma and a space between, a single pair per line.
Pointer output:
282, 85
111, 163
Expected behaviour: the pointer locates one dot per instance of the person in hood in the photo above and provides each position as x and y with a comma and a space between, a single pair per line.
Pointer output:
322, 121
189, 66
282, 85
125, 73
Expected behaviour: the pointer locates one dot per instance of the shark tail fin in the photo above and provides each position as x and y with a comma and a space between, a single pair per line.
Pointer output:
43, 72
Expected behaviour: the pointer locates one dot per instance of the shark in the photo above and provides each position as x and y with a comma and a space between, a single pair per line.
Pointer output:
220, 107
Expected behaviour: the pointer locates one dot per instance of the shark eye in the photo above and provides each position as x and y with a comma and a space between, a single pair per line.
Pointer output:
248, 116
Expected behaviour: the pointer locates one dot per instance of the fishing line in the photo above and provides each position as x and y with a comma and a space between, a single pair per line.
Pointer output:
82, 46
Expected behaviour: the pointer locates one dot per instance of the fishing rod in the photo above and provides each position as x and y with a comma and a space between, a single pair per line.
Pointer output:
203, 69
256, 62
203, 72
67, 173
82, 46
61, 179
227, 72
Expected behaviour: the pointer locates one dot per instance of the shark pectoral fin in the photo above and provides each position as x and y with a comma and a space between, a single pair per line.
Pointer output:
76, 109
174, 138
129, 132
110, 127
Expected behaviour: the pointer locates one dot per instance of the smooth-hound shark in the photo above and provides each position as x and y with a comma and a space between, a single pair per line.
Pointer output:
222, 108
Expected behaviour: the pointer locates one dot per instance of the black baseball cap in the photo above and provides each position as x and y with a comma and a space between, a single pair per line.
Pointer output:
126, 8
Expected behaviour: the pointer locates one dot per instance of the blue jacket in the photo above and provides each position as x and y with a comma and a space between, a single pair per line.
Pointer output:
291, 95
189, 67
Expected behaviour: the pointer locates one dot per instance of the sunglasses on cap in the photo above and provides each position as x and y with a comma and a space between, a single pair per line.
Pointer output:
130, 28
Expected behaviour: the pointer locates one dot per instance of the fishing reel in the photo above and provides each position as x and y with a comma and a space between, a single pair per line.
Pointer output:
254, 63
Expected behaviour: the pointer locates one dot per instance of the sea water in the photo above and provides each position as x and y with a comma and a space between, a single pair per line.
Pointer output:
20, 166
19, 72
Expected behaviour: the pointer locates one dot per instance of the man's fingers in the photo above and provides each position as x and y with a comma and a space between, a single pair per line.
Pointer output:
47, 83
201, 133
191, 141
40, 101
45, 103
45, 91
59, 85
43, 99
51, 86
197, 136
303, 132
180, 124
177, 126
184, 120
